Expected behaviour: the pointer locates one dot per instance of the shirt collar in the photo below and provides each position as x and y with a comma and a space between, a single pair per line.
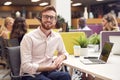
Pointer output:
43, 35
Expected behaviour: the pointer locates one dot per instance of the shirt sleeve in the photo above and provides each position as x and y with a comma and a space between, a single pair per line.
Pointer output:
27, 66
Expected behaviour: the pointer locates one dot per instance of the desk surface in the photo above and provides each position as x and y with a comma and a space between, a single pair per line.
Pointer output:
108, 71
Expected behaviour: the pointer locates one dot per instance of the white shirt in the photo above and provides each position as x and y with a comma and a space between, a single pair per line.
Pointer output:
85, 28
37, 49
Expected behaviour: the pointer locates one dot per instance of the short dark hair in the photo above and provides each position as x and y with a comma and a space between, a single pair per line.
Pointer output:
47, 8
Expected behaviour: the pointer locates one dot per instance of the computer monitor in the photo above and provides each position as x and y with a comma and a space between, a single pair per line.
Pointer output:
116, 46
104, 37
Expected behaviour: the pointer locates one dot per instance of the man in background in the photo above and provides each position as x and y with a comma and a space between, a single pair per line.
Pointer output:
82, 24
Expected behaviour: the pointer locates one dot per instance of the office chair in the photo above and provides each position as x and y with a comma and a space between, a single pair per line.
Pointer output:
9, 43
15, 62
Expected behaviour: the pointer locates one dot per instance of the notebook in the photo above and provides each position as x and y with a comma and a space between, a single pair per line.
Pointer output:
103, 56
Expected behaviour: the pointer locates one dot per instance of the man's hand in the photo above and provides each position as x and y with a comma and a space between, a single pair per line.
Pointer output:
58, 60
55, 65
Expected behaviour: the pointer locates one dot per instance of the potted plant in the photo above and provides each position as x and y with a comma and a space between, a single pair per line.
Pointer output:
82, 42
60, 22
94, 40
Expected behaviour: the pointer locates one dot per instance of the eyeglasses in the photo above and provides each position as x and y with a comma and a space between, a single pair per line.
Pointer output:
47, 16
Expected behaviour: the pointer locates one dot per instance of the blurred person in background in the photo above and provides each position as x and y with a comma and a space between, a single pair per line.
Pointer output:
9, 23
82, 24
19, 29
2, 32
6, 29
110, 23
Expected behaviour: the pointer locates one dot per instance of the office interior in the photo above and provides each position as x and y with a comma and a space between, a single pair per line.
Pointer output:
70, 15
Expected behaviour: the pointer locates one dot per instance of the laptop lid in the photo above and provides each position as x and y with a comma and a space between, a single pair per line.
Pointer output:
106, 51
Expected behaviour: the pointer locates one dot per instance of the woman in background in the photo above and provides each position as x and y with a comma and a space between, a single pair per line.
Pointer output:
6, 29
2, 31
110, 23
19, 29
9, 23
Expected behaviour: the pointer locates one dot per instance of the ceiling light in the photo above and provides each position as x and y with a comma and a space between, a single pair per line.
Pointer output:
76, 4
8, 3
99, 0
43, 4
35, 0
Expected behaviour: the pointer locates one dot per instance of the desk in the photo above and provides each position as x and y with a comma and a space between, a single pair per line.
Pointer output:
108, 71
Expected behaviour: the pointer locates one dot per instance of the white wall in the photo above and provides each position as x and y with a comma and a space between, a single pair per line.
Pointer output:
63, 8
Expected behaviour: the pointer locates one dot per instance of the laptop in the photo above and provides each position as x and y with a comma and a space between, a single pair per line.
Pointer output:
106, 50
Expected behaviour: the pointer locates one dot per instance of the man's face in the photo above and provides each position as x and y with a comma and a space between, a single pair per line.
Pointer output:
82, 23
48, 19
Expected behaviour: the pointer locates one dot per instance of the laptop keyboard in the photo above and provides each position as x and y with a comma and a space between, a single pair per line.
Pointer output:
97, 61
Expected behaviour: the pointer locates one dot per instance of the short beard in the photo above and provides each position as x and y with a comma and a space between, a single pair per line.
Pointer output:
46, 28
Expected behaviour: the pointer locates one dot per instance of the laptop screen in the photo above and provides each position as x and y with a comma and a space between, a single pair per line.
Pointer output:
106, 51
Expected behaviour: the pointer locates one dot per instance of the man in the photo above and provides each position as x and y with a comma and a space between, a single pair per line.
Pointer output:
38, 47
82, 24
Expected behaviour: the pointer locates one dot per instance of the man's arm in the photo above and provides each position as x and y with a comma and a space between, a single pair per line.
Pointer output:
47, 68
54, 66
